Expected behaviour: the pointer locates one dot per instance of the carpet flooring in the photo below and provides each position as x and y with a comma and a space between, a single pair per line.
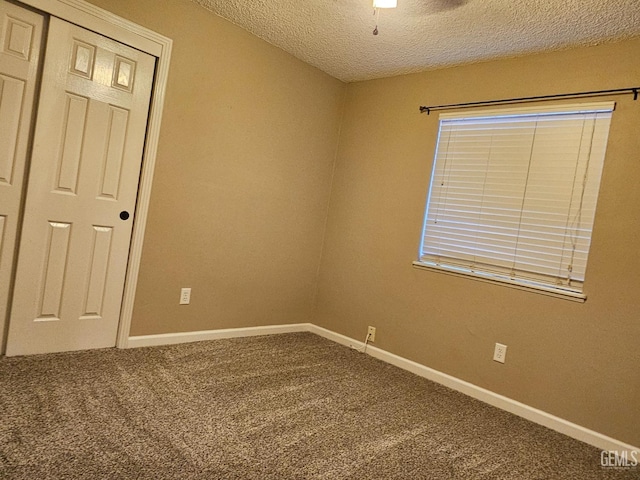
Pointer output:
292, 406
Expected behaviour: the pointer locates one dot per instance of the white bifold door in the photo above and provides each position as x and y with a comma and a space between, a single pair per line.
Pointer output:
80, 193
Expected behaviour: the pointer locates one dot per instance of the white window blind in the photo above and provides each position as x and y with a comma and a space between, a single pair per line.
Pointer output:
513, 193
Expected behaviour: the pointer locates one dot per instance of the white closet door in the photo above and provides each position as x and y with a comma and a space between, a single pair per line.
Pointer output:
20, 37
81, 194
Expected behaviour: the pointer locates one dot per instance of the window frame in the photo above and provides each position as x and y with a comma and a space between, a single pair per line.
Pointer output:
466, 271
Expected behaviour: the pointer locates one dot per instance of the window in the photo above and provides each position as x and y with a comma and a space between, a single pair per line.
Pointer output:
513, 194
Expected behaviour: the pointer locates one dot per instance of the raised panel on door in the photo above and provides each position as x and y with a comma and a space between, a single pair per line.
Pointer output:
69, 147
86, 160
54, 268
97, 272
11, 102
20, 39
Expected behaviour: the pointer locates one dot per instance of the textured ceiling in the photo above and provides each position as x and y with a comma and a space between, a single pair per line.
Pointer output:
336, 35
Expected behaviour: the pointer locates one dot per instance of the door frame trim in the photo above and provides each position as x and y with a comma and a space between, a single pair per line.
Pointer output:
124, 31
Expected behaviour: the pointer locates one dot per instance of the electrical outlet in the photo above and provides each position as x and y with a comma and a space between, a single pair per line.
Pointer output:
185, 296
371, 334
500, 353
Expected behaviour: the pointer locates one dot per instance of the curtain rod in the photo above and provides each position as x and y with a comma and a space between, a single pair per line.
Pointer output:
634, 90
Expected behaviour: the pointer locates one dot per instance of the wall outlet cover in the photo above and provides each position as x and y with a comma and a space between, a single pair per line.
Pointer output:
371, 334
500, 353
185, 296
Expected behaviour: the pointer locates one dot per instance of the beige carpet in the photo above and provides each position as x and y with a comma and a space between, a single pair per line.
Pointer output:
290, 406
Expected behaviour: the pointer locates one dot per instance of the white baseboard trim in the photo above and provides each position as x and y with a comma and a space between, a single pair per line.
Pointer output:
532, 414
504, 403
187, 337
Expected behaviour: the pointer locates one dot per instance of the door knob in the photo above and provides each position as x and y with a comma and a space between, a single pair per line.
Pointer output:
124, 215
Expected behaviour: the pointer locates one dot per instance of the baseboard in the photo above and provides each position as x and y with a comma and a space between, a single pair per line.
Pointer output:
187, 337
513, 406
532, 414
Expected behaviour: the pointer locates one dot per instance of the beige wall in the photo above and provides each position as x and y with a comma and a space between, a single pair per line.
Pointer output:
580, 362
243, 177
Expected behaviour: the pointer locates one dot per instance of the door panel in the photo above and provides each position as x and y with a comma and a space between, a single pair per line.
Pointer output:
68, 162
54, 268
98, 269
20, 38
85, 167
117, 131
12, 90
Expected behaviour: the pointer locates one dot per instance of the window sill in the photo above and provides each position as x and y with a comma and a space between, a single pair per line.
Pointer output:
551, 292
